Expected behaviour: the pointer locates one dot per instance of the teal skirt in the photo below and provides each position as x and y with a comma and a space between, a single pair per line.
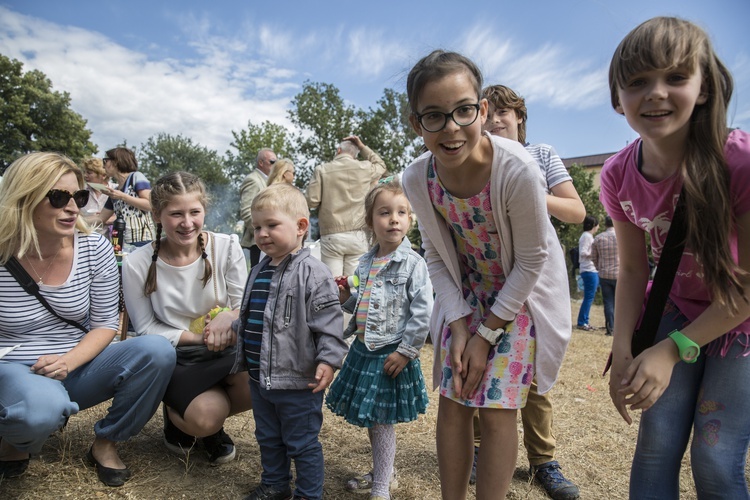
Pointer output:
365, 396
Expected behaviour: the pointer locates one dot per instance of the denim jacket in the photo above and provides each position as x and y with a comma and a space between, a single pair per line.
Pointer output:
400, 301
302, 323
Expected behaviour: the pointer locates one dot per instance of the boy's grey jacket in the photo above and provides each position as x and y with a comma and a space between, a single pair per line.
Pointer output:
303, 324
400, 301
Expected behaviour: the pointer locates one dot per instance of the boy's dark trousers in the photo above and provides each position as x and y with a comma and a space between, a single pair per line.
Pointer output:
287, 425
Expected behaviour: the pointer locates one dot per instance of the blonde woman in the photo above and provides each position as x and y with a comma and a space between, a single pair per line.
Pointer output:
63, 361
282, 171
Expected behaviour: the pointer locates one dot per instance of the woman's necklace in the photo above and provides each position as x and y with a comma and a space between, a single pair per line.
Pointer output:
49, 266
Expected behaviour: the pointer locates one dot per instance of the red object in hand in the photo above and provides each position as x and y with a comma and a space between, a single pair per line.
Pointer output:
347, 281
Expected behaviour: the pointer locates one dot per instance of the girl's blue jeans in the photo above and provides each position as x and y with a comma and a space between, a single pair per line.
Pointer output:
134, 373
590, 283
711, 398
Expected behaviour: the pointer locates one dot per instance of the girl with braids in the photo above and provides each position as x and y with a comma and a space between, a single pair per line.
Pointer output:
185, 273
674, 91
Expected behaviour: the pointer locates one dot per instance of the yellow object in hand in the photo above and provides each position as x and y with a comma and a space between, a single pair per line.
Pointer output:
199, 323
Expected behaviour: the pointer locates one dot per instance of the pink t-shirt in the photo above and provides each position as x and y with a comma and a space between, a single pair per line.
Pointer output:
628, 196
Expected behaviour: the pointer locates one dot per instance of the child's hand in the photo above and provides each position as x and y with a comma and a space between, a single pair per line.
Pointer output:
474, 361
459, 337
344, 292
394, 363
323, 378
647, 377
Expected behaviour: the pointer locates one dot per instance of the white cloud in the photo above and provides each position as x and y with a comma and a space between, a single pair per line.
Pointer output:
548, 74
125, 95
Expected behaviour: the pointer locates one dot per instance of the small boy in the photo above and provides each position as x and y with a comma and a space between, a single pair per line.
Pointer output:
290, 337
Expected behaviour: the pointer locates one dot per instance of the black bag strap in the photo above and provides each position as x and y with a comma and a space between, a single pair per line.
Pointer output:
29, 285
669, 261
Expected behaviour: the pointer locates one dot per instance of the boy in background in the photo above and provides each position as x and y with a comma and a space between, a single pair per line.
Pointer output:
290, 336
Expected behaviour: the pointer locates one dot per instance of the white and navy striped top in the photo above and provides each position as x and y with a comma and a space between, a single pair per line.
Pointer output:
89, 296
550, 163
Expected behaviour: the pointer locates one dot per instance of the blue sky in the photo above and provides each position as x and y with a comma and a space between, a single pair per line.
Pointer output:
202, 69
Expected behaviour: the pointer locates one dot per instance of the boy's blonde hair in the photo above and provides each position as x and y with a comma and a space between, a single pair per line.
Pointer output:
284, 198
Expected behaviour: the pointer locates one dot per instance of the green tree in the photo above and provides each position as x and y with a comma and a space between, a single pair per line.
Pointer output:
249, 141
33, 117
164, 153
386, 129
583, 180
322, 119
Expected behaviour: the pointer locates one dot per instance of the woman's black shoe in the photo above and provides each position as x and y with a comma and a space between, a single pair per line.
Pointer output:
110, 477
13, 468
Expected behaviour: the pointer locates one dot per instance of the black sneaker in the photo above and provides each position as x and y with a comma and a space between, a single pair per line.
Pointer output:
175, 440
552, 480
220, 448
265, 492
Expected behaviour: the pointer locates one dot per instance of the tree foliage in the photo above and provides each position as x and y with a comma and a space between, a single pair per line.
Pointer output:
322, 120
249, 141
34, 117
583, 180
387, 131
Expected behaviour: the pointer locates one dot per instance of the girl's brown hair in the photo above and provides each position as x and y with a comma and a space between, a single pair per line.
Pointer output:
665, 43
163, 191
123, 158
435, 66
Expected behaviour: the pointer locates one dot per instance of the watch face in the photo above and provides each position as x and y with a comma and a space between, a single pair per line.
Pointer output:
689, 354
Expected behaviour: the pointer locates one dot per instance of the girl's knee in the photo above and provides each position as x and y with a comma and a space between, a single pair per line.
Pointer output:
38, 415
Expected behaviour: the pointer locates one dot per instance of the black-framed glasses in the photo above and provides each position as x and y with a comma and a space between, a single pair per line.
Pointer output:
435, 121
106, 159
271, 161
59, 198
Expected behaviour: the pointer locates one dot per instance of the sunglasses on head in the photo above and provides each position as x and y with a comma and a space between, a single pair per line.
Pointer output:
59, 198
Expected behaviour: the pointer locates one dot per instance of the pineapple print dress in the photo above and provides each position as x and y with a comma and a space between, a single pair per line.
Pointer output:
510, 364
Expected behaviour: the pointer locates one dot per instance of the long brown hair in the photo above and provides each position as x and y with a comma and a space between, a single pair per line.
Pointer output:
164, 190
669, 42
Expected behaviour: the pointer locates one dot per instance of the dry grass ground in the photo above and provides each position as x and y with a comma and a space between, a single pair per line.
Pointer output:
594, 447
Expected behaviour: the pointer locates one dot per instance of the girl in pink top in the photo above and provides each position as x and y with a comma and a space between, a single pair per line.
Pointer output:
674, 91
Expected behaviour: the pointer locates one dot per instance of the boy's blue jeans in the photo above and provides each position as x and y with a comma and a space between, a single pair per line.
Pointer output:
608, 287
135, 373
590, 283
287, 425
711, 398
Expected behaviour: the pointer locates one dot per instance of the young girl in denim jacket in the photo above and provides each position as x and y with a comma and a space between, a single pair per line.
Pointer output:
381, 381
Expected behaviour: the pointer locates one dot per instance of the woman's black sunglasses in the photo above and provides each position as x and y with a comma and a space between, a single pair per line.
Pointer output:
59, 198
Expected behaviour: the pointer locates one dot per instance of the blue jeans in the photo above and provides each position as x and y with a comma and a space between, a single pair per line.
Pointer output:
608, 297
287, 424
711, 398
134, 373
590, 282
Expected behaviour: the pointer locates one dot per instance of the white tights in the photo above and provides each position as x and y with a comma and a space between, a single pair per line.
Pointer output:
383, 442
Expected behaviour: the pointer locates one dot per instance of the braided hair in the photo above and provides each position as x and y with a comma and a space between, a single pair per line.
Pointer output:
163, 191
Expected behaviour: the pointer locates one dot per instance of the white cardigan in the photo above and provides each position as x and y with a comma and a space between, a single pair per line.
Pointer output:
531, 256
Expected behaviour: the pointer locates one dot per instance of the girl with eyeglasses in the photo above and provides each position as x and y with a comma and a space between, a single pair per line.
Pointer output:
56, 367
131, 199
502, 306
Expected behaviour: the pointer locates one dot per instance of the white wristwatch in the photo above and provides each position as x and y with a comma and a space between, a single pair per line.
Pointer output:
493, 336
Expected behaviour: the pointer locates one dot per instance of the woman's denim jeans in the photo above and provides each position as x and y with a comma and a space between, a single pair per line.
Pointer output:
590, 283
711, 398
